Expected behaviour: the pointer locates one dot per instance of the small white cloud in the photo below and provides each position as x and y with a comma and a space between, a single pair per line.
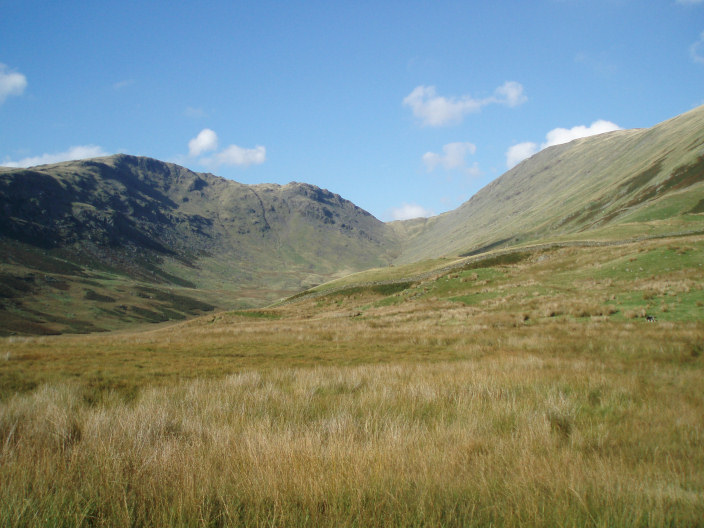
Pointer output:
517, 153
205, 141
436, 110
238, 156
74, 153
11, 83
452, 158
510, 93
557, 136
409, 211
696, 50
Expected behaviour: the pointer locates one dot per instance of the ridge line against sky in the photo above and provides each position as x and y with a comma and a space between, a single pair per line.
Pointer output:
405, 108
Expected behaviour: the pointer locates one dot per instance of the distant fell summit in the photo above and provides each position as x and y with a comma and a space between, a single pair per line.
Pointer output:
620, 184
127, 218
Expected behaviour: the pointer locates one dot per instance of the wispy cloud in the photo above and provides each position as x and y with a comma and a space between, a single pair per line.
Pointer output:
205, 141
452, 158
121, 85
557, 136
696, 50
238, 156
74, 153
510, 94
435, 110
409, 211
193, 112
11, 83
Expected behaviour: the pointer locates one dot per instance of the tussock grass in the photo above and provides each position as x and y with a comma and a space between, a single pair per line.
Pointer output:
530, 394
514, 439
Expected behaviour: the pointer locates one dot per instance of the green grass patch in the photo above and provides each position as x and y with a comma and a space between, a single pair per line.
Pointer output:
456, 283
474, 299
679, 255
389, 301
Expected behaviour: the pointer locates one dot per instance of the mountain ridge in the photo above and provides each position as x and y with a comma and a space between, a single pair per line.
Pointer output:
139, 219
587, 184
125, 239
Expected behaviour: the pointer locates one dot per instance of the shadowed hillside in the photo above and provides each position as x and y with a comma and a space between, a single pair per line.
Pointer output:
81, 233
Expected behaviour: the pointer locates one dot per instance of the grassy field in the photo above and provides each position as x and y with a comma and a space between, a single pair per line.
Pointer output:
521, 391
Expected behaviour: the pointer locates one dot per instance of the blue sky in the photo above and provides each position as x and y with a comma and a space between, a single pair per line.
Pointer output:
406, 108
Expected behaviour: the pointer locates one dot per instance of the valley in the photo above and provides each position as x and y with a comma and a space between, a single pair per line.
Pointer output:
524, 389
231, 355
124, 240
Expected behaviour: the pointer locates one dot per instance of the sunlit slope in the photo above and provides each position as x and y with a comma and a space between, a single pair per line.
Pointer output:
615, 185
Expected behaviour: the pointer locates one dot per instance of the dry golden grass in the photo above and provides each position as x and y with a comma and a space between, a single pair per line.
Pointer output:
517, 438
443, 424
533, 401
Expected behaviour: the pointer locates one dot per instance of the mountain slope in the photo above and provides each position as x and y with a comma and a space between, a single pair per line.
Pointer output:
122, 219
614, 185
98, 244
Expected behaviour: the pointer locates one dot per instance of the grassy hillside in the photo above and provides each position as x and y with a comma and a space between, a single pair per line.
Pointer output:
113, 242
526, 388
607, 187
100, 244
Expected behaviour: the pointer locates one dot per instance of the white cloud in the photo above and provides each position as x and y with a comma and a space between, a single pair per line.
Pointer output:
517, 153
408, 211
436, 110
557, 136
453, 157
510, 93
74, 153
205, 141
238, 156
11, 83
696, 50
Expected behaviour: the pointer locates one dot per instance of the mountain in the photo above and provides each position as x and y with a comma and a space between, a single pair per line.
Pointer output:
621, 184
99, 244
83, 233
